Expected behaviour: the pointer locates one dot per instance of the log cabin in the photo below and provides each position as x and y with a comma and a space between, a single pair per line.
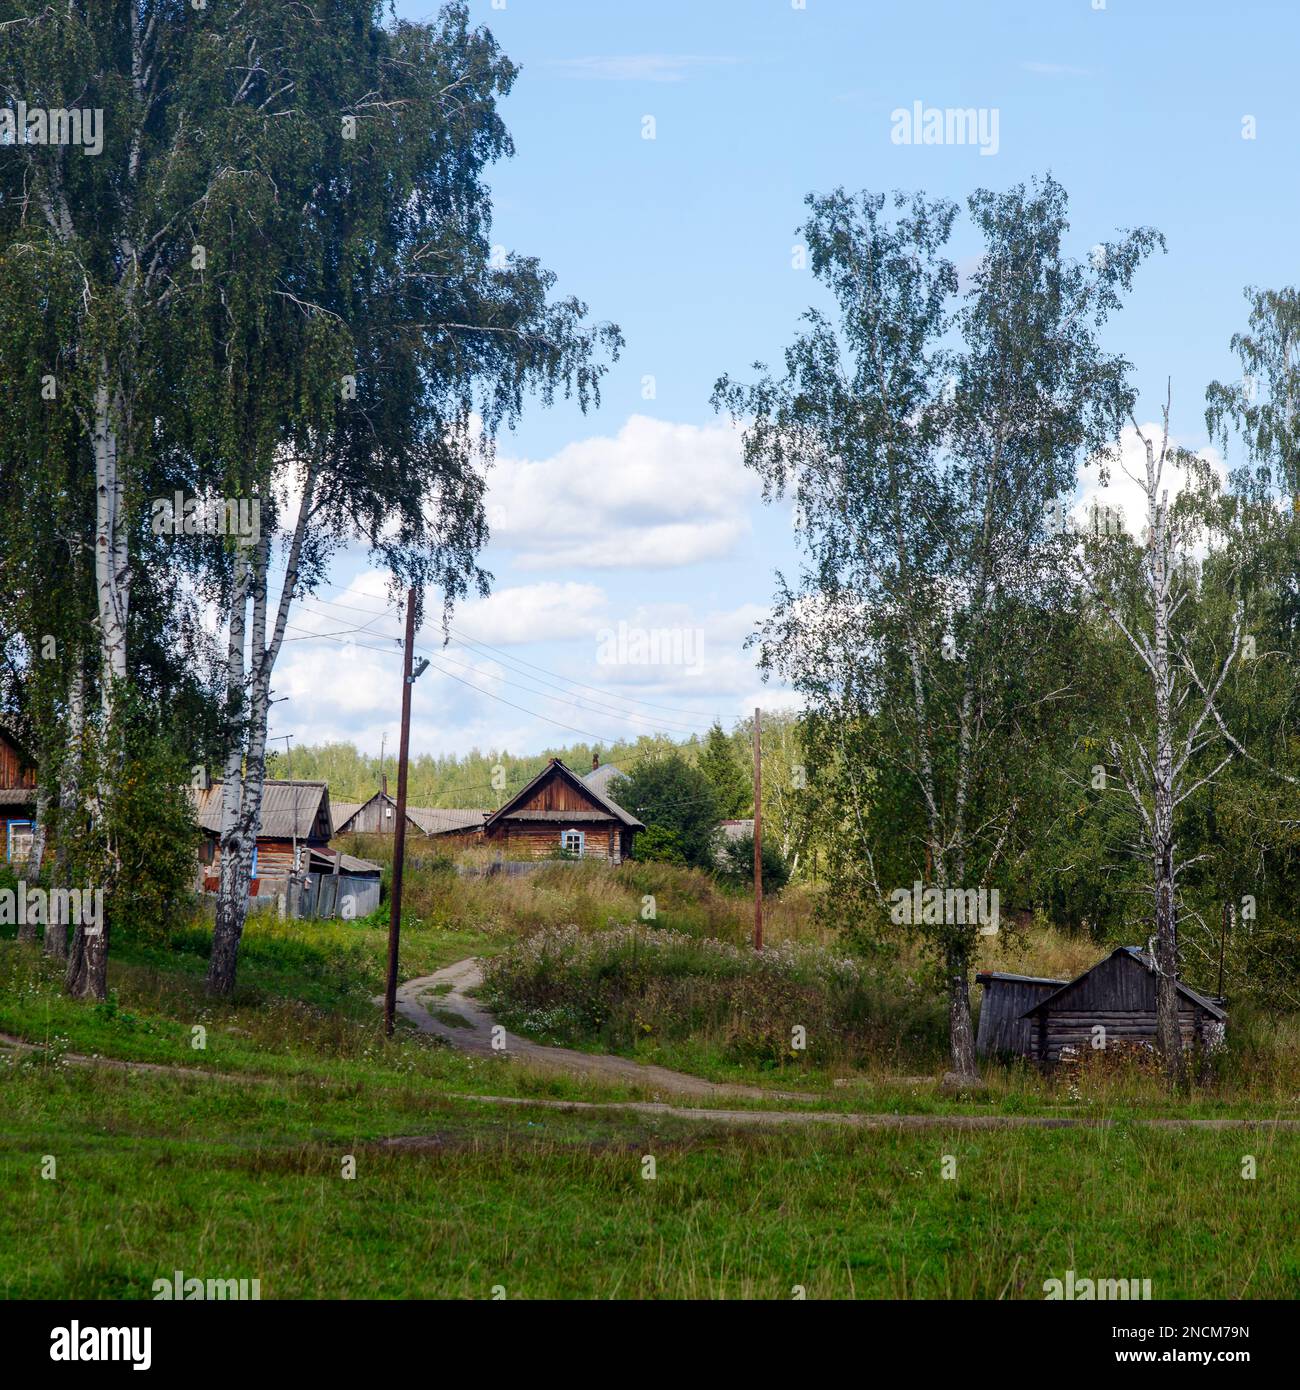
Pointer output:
17, 801
558, 814
1118, 995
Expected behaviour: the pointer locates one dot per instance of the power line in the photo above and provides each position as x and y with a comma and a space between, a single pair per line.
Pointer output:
661, 725
472, 642
630, 699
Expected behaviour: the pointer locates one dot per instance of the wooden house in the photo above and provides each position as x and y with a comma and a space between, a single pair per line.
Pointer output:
295, 816
17, 801
292, 860
378, 816
1119, 995
1003, 1027
560, 812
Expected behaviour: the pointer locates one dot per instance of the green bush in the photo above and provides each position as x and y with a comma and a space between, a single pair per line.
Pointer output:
737, 866
657, 844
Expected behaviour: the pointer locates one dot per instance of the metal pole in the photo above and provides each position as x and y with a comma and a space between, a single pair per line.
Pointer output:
758, 831
399, 843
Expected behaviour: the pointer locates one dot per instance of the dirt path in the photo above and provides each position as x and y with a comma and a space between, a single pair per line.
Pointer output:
860, 1121
79, 1059
421, 1003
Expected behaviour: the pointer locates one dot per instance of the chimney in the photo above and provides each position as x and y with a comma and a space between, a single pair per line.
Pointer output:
385, 784
595, 761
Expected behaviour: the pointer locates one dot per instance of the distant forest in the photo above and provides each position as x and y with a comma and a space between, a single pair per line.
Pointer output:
450, 779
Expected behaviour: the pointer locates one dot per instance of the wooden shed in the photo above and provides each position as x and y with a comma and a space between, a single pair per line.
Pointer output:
560, 811
1003, 1027
333, 884
1119, 995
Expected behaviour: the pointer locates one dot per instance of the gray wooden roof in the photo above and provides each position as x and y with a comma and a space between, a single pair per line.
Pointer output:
985, 976
290, 810
1134, 953
445, 820
600, 777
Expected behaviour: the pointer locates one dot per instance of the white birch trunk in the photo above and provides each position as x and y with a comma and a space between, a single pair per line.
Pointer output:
56, 938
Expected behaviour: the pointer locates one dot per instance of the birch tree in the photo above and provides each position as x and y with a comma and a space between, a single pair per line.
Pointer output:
1194, 653
359, 350
921, 467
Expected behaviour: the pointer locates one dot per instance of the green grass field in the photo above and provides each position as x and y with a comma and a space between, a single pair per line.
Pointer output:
241, 1173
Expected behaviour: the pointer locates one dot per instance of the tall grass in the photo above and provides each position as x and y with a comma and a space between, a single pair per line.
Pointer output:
789, 1004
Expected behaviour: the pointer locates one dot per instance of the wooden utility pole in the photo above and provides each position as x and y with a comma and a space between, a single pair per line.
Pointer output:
399, 841
758, 830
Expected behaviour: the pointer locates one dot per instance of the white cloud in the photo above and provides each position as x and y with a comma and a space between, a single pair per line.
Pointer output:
657, 495
1126, 489
533, 613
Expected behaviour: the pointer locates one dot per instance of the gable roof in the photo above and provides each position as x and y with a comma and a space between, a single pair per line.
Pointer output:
429, 820
1138, 955
600, 777
556, 768
290, 810
445, 820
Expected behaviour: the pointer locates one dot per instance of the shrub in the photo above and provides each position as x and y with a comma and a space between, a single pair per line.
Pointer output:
737, 867
657, 844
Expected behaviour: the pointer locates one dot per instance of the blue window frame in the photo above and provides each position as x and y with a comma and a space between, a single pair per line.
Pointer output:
254, 873
575, 841
19, 825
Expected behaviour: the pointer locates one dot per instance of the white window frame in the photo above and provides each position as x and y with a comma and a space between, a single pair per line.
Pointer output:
582, 842
30, 827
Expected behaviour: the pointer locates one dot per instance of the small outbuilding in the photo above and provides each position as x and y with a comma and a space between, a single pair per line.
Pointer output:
1119, 995
378, 816
1003, 1026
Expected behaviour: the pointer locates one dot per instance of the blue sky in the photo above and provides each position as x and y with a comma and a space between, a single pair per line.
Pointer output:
639, 518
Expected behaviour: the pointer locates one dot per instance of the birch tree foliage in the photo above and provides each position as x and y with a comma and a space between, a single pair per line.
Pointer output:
922, 437
355, 342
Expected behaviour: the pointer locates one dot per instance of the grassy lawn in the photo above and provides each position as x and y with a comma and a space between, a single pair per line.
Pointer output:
241, 1173
156, 1174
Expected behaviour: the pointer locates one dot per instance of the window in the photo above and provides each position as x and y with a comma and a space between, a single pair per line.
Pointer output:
18, 841
572, 841
254, 871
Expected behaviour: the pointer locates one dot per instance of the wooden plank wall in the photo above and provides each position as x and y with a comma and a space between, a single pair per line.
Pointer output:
1001, 1029
541, 840
11, 768
557, 793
